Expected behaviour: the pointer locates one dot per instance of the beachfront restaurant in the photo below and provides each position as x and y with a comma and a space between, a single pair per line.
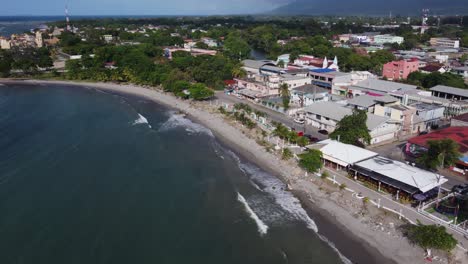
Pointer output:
340, 156
397, 178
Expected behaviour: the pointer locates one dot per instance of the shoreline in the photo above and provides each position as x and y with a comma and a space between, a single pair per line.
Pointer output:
352, 238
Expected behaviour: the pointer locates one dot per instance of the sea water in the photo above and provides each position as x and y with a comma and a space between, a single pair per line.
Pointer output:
93, 177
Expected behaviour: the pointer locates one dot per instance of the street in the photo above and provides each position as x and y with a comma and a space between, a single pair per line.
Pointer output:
273, 115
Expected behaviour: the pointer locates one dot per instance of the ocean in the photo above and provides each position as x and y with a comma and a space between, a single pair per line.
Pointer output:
93, 177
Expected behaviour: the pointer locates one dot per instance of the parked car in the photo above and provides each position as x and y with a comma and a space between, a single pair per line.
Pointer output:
323, 132
299, 120
460, 188
311, 138
422, 133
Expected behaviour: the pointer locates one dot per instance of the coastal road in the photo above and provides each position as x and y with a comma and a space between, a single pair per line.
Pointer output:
386, 201
273, 115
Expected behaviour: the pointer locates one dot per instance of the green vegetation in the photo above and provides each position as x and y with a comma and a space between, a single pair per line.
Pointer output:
429, 80
287, 154
311, 160
352, 129
285, 95
441, 153
431, 237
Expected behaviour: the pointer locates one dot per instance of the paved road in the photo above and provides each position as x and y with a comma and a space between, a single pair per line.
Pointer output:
273, 115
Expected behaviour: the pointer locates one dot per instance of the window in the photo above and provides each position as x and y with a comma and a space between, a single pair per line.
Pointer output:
319, 117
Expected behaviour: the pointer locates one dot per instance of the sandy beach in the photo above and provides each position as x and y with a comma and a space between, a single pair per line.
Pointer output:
356, 237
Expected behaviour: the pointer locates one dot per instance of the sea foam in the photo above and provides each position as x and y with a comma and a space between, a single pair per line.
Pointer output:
261, 226
276, 188
177, 121
141, 120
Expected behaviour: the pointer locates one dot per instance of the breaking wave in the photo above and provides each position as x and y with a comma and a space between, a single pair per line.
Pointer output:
344, 259
141, 120
275, 187
176, 121
262, 227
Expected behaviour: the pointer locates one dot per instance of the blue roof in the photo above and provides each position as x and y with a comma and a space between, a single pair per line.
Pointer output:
322, 70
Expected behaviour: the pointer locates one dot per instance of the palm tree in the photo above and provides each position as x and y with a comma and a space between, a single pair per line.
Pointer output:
238, 72
285, 94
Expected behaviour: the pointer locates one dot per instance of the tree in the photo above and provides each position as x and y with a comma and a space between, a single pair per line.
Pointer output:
287, 154
235, 47
352, 129
311, 160
200, 92
5, 63
431, 236
285, 95
281, 131
238, 71
440, 153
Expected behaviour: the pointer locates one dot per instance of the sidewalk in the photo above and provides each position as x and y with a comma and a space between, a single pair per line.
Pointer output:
386, 202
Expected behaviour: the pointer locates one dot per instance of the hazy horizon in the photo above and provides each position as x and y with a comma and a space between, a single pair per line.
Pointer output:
138, 7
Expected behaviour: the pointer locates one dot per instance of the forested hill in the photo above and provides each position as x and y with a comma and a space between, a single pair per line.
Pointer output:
373, 7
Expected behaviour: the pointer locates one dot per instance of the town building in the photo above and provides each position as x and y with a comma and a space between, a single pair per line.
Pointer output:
405, 116
340, 156
448, 92
306, 95
445, 42
5, 43
384, 39
39, 41
377, 87
400, 179
210, 42
462, 71
252, 67
399, 70
326, 78
326, 115
429, 114
368, 102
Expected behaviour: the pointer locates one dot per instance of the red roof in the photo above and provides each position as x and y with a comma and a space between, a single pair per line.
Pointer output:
457, 134
463, 117
229, 82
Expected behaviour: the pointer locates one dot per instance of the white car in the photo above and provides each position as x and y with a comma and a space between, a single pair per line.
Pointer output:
299, 121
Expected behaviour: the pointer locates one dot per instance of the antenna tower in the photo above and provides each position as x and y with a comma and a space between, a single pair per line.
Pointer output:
67, 18
425, 16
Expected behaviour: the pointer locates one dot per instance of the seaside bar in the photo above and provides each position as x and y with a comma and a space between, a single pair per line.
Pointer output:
396, 177
340, 156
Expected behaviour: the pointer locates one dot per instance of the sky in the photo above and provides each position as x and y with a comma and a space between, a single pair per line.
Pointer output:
137, 7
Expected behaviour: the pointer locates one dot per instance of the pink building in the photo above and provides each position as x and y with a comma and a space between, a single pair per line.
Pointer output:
397, 70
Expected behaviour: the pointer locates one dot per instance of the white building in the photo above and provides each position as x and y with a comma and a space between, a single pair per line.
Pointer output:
326, 115
445, 42
5, 43
383, 39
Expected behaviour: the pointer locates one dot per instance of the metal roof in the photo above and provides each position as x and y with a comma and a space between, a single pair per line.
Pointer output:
401, 172
257, 64
450, 90
336, 112
384, 86
368, 100
343, 154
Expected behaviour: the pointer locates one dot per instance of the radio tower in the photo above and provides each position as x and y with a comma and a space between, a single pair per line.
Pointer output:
67, 18
425, 15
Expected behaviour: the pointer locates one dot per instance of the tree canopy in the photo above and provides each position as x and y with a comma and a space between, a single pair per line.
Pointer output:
429, 80
431, 237
441, 153
311, 160
352, 129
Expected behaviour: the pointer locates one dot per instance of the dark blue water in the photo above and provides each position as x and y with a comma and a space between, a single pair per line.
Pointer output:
91, 177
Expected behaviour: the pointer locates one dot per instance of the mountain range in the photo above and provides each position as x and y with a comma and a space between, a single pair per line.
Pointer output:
373, 7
